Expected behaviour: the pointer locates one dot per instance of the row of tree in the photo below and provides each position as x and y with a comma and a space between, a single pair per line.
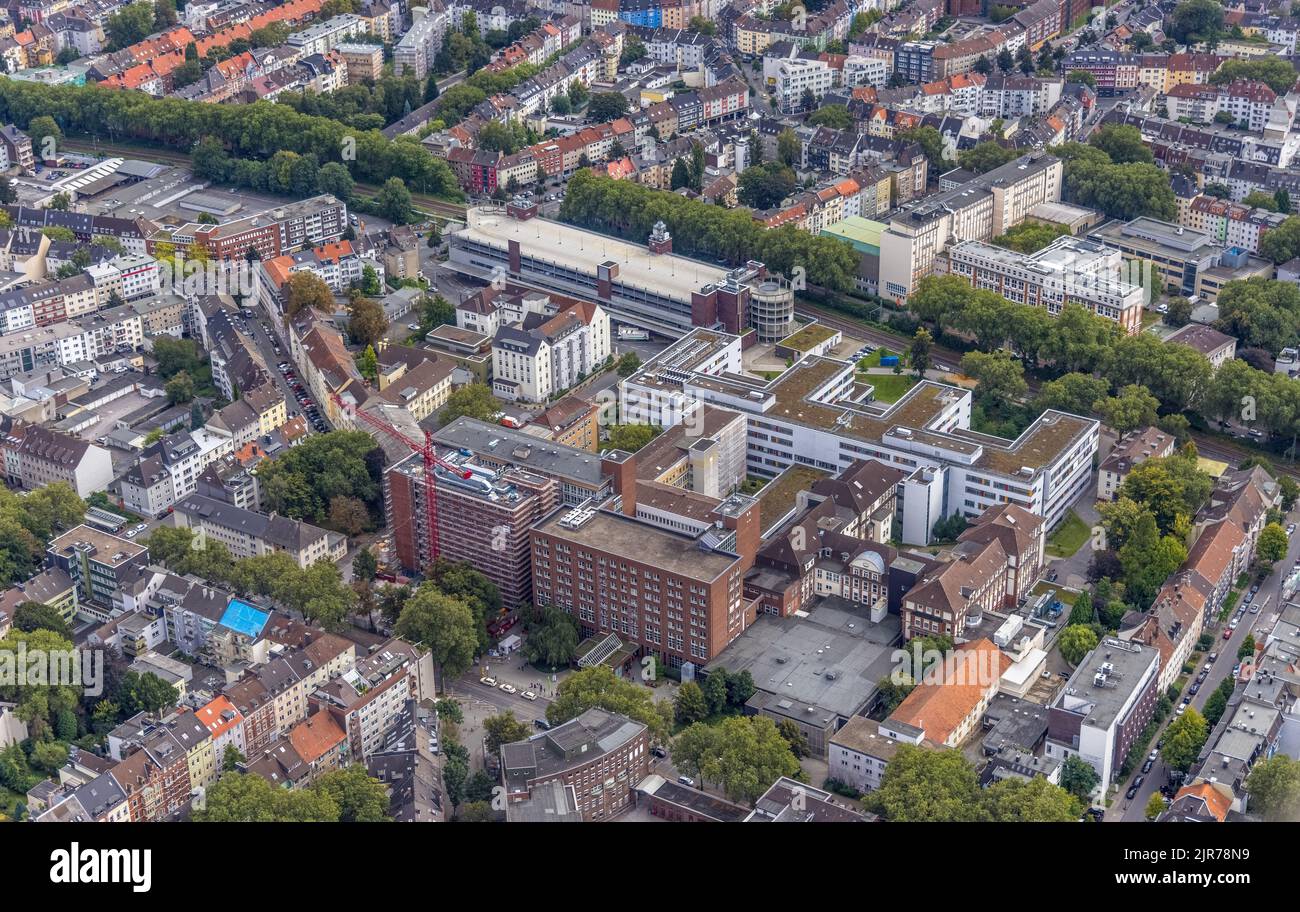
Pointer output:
629, 210
252, 132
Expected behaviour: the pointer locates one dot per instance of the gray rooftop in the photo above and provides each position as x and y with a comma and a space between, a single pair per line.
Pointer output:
832, 659
1101, 703
518, 448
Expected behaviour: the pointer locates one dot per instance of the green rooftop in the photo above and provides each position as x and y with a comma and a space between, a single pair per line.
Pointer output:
807, 338
862, 233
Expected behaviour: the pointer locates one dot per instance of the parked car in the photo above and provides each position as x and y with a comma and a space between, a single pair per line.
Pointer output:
528, 695
542, 724
1227, 633
659, 752
1133, 789
489, 681
1211, 657
508, 688
1146, 767
686, 780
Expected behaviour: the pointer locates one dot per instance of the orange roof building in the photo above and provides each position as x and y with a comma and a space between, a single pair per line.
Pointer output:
947, 706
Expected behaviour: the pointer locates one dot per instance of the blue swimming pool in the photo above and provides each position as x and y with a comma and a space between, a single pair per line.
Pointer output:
242, 617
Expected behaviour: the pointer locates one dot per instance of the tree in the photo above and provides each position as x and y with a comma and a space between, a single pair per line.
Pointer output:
335, 180
1133, 408
1184, 739
1074, 392
503, 728
1081, 612
1275, 72
630, 437
1036, 800
835, 116
1274, 788
1247, 647
628, 364
599, 688
360, 798
248, 798
985, 157
1260, 199
1155, 806
764, 186
130, 24
1078, 777
606, 106
368, 364
1075, 642
393, 202
474, 400
999, 376
918, 353
231, 759
1147, 560
1122, 143
1273, 544
364, 566
443, 624
794, 737
303, 482
179, 388
552, 639
925, 786
144, 692
715, 692
1081, 76
1193, 21
366, 321
743, 754
789, 148
348, 515
306, 289
931, 143
30, 616
690, 705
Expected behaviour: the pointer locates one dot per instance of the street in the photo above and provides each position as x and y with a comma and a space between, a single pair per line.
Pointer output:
1269, 595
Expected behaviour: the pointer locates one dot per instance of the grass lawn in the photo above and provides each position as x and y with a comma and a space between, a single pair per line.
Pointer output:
873, 359
1067, 597
889, 387
1068, 537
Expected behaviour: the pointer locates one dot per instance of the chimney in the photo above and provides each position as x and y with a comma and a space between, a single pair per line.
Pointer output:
620, 466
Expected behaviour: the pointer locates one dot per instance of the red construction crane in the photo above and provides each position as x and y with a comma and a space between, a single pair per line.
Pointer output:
429, 456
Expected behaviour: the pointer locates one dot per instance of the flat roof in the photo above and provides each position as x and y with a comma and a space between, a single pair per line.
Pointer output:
109, 549
831, 658
614, 533
584, 251
862, 233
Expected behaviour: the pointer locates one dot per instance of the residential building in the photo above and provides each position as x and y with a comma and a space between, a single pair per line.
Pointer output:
1131, 450
249, 534
1104, 707
601, 755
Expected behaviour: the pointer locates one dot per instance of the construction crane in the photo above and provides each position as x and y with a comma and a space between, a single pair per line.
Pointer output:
429, 456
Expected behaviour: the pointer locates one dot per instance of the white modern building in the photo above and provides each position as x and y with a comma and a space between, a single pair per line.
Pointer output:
815, 414
1105, 705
